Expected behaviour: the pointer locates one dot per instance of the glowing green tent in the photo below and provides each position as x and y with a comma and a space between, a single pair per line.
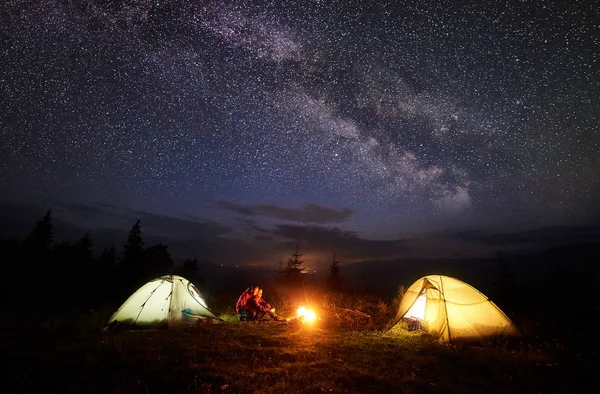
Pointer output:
163, 302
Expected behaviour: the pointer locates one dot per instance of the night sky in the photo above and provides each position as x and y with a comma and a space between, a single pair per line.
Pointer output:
236, 130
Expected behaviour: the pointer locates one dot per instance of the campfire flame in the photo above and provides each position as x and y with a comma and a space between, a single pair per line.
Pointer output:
306, 315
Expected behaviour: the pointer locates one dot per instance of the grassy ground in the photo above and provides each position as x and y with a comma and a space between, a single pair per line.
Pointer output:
345, 352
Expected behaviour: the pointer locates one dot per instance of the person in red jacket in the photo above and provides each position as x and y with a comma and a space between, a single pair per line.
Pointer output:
241, 306
260, 307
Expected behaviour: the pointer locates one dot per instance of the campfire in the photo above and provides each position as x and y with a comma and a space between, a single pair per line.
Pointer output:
306, 315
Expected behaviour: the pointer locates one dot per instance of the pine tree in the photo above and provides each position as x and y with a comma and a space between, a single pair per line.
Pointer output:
41, 238
334, 280
156, 261
133, 249
84, 252
132, 258
37, 253
106, 263
191, 272
62, 270
505, 283
103, 276
11, 253
292, 273
108, 257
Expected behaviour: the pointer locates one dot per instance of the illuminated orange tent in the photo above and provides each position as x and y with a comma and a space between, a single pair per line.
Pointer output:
450, 309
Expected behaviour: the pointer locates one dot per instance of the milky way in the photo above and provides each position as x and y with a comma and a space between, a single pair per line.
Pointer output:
410, 116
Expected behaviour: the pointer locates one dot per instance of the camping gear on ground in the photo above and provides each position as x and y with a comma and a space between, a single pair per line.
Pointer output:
246, 315
167, 301
450, 309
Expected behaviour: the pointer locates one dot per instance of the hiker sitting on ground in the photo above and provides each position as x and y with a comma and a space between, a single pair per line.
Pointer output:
241, 306
262, 301
260, 307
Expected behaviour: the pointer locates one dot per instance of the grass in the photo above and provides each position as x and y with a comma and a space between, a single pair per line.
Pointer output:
344, 352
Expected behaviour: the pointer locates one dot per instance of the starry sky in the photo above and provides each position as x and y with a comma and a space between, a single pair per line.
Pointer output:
236, 130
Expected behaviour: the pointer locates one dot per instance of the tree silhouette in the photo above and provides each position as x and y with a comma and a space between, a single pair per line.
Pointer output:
133, 249
38, 253
82, 261
62, 272
107, 262
41, 238
156, 261
191, 272
292, 273
84, 255
133, 253
104, 276
11, 255
334, 280
508, 291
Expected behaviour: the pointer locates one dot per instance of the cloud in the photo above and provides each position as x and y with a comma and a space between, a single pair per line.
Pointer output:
205, 240
544, 236
84, 211
325, 240
110, 216
110, 224
311, 213
263, 238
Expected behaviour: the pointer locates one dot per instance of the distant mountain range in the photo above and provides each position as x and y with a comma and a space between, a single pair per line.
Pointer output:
375, 276
384, 277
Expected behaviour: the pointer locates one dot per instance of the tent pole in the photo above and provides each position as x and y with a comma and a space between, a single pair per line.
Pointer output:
144, 303
445, 307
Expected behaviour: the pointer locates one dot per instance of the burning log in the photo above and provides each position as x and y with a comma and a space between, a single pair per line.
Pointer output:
306, 315
354, 311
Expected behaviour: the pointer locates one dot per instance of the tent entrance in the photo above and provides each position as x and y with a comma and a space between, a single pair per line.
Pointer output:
416, 314
417, 310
